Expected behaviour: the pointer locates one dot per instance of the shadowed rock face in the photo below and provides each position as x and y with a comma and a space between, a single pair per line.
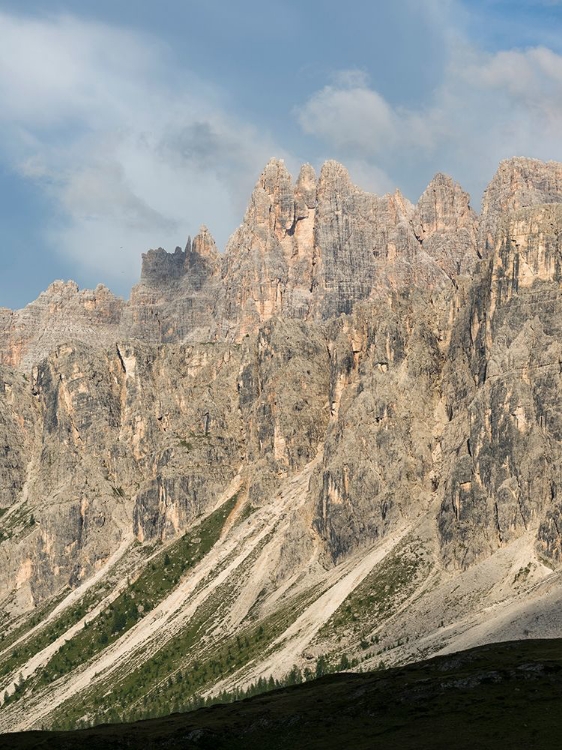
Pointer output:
504, 475
413, 352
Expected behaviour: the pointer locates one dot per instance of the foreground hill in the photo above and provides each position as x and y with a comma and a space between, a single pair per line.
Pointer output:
501, 695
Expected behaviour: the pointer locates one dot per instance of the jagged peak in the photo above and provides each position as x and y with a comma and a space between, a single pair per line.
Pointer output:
158, 265
306, 185
446, 225
442, 179
102, 289
274, 175
275, 163
332, 169
524, 162
522, 181
401, 202
334, 182
60, 287
519, 182
307, 173
204, 244
443, 189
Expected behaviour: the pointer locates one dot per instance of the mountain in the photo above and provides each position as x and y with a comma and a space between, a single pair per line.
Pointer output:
337, 445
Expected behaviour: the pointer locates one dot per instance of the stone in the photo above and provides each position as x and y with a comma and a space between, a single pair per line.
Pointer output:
411, 351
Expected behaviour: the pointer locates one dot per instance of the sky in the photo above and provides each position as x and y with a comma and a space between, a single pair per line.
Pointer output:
126, 124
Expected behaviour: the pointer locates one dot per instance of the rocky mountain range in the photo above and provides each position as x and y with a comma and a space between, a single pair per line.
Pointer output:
338, 444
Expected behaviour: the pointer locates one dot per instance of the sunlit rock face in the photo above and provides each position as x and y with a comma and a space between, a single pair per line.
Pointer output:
410, 355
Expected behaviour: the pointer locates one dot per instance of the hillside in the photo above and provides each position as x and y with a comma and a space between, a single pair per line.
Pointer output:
504, 695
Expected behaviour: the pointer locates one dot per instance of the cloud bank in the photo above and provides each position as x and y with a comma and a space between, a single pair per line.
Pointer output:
133, 152
488, 107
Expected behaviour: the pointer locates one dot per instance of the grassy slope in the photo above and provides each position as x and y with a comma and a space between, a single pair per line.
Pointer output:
495, 696
157, 580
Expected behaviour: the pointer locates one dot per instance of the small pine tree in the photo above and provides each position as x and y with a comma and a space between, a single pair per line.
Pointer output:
344, 663
321, 666
295, 676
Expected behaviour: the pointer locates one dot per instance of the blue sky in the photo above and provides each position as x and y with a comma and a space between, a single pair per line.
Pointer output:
125, 125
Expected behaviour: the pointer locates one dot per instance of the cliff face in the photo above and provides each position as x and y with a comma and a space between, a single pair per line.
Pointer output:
411, 352
308, 250
505, 429
61, 313
344, 433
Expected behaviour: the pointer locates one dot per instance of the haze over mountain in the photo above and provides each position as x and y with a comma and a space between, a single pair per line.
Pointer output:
336, 445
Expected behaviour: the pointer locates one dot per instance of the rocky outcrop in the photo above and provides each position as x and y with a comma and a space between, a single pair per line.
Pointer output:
106, 444
177, 294
447, 227
283, 394
367, 393
378, 463
268, 261
518, 183
310, 250
505, 433
17, 435
411, 351
61, 313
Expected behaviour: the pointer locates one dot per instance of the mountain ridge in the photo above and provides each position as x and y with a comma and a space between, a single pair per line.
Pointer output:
342, 437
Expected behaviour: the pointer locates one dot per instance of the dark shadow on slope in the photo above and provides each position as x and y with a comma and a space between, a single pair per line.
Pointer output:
506, 695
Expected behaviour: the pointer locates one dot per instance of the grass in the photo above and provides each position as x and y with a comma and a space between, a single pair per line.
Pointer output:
500, 695
158, 579
23, 652
378, 596
186, 665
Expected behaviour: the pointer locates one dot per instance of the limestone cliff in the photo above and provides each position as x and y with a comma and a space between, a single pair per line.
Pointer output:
309, 250
352, 368
504, 476
61, 313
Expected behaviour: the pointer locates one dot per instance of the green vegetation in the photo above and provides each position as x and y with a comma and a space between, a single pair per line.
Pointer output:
378, 597
46, 636
160, 576
500, 695
175, 676
28, 621
246, 513
19, 522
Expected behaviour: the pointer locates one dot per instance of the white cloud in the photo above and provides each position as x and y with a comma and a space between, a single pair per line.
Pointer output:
350, 115
134, 153
488, 107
